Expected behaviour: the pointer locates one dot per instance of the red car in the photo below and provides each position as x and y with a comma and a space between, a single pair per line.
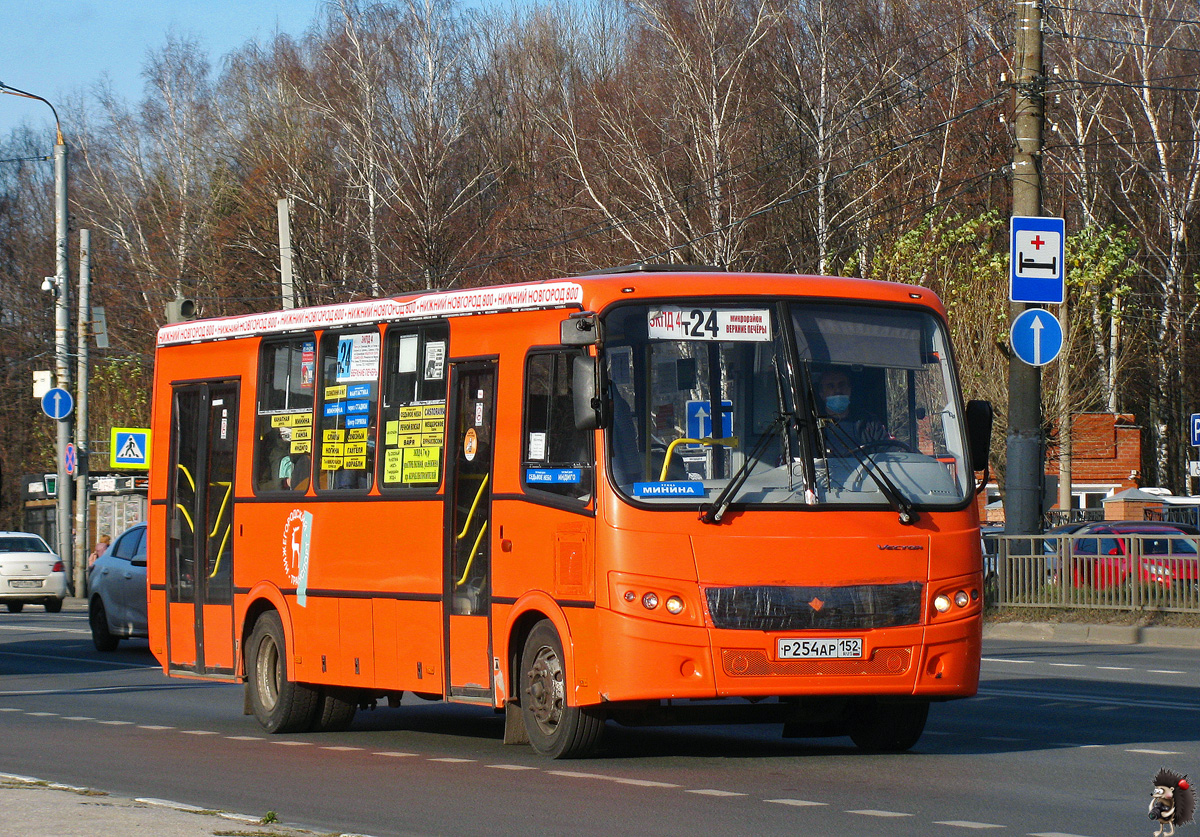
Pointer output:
1104, 553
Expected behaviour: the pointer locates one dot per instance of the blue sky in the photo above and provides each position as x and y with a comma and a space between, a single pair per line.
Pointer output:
58, 47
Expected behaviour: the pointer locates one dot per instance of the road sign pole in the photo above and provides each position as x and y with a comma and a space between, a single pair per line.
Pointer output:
1024, 469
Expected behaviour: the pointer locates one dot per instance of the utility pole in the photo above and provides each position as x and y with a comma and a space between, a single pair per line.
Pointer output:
1025, 469
288, 292
81, 415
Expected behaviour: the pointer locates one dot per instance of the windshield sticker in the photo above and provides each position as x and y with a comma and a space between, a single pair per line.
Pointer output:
553, 476
358, 357
738, 324
537, 446
435, 361
668, 489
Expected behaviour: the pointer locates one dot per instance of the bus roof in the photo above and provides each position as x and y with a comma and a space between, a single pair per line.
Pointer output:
592, 292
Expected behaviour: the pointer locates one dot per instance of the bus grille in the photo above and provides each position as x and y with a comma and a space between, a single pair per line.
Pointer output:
855, 607
753, 662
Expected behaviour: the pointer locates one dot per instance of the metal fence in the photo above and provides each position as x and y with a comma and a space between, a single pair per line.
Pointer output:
1113, 572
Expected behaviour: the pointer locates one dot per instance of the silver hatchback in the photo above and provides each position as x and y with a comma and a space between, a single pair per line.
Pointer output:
30, 573
117, 591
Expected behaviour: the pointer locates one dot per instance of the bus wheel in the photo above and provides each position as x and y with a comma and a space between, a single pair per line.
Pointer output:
279, 704
884, 726
334, 712
555, 728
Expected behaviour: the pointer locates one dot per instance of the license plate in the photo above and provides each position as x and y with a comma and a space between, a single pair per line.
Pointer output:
25, 582
821, 648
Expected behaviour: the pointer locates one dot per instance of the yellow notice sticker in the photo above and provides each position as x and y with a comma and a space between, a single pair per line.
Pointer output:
421, 464
408, 440
301, 433
391, 466
358, 434
355, 463
335, 393
331, 463
334, 436
281, 421
436, 425
332, 449
409, 413
355, 449
389, 433
302, 420
301, 447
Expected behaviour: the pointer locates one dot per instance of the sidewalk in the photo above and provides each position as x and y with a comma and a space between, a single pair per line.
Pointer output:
32, 808
1094, 634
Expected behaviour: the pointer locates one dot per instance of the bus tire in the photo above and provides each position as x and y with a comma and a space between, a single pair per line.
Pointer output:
883, 726
279, 704
555, 727
334, 712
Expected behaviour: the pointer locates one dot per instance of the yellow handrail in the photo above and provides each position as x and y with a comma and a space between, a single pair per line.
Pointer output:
221, 511
471, 560
471, 513
191, 481
191, 526
730, 442
220, 552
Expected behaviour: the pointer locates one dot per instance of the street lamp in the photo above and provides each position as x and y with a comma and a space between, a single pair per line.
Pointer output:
62, 325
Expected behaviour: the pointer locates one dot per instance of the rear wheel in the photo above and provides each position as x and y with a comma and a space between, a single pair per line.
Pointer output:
279, 704
335, 712
53, 605
15, 607
555, 727
102, 637
883, 726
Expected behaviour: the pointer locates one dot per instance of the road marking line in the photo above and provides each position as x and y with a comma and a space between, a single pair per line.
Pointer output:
1001, 738
1068, 665
10, 709
343, 749
1162, 671
1155, 752
293, 743
511, 767
1090, 746
1055, 834
967, 824
1114, 668
448, 760
868, 812
642, 783
198, 732
394, 755
1014, 662
712, 792
799, 803
244, 738
77, 718
43, 714
155, 727
118, 723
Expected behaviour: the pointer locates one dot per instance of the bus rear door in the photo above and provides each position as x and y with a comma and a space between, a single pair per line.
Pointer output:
200, 528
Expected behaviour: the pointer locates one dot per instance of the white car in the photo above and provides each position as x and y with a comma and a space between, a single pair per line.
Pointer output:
117, 590
30, 573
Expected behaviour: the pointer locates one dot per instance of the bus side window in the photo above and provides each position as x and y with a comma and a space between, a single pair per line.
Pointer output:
556, 457
413, 432
345, 445
283, 427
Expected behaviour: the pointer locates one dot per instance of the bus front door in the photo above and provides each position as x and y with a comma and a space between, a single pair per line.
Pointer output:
468, 576
200, 529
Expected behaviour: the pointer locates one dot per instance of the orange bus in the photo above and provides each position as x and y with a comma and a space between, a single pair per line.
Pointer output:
646, 496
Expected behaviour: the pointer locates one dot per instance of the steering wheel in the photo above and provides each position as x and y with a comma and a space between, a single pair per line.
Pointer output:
885, 444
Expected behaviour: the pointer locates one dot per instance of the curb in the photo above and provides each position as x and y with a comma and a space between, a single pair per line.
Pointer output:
1094, 634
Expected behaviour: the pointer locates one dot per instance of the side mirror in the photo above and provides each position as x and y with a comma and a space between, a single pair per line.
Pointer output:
584, 392
580, 329
979, 433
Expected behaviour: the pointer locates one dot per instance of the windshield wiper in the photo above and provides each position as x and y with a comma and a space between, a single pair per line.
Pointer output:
895, 498
714, 511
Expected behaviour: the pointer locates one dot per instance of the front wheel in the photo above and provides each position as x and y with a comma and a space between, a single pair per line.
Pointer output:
556, 728
53, 605
279, 704
883, 726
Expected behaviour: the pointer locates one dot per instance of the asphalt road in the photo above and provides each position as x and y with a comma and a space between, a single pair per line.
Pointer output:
1062, 740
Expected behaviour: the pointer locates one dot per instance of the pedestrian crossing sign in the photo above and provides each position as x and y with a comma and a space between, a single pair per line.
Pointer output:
129, 447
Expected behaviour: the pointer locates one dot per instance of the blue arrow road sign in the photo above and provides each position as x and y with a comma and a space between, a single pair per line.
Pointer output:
699, 420
1036, 336
1196, 429
57, 403
1036, 253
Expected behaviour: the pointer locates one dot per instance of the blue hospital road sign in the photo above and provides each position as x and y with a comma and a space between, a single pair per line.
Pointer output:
1036, 256
1195, 424
129, 447
57, 403
1036, 336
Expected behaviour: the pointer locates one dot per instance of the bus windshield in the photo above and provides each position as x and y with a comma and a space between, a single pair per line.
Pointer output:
811, 403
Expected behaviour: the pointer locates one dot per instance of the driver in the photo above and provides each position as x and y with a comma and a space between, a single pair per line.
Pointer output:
847, 426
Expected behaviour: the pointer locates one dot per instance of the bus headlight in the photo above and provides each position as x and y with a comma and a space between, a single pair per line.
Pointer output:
942, 603
961, 598
674, 605
650, 601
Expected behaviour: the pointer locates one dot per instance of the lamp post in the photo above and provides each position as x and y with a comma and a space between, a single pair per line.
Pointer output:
60, 287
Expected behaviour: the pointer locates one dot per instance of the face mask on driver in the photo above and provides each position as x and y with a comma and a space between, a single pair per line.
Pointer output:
837, 403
